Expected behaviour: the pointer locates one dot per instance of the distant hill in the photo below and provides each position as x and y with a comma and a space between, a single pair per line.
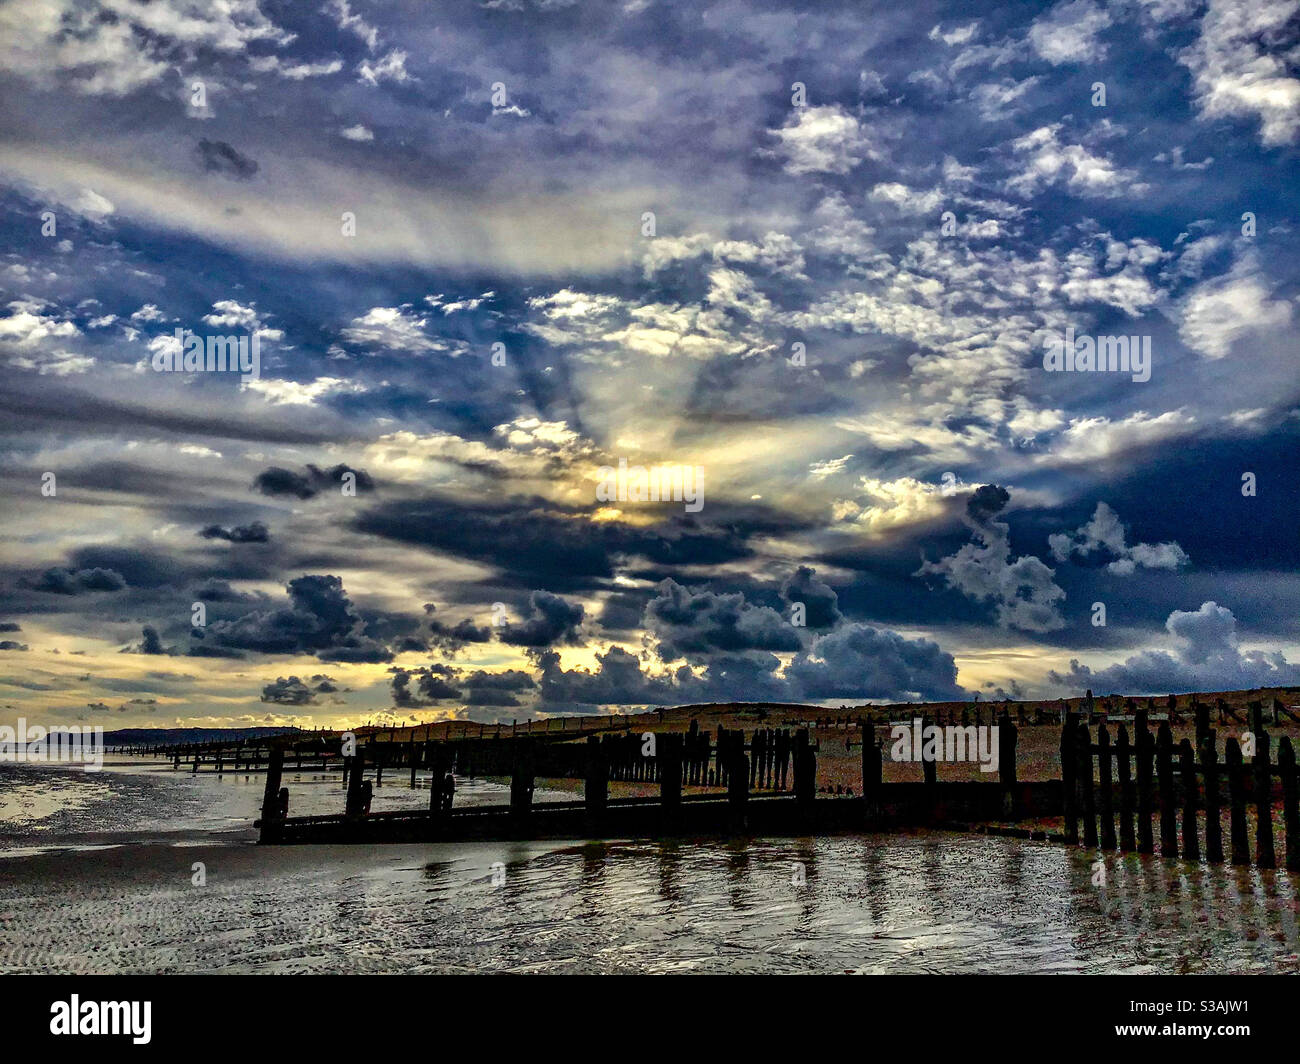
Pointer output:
149, 736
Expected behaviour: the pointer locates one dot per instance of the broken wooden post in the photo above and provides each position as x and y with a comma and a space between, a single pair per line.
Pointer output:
272, 821
1142, 747
1187, 765
805, 784
1237, 802
872, 770
1165, 775
1107, 792
1290, 803
1123, 755
1210, 771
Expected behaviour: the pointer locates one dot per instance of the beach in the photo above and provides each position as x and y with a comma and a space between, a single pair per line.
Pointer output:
107, 884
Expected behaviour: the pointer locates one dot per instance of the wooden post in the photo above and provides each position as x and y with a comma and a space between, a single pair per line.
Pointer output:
1123, 754
1069, 773
1290, 802
415, 761
522, 781
595, 791
1210, 771
738, 783
1142, 749
1107, 793
671, 749
1007, 735
1083, 761
929, 768
437, 773
1187, 763
1165, 775
272, 823
1237, 800
1263, 772
872, 769
355, 804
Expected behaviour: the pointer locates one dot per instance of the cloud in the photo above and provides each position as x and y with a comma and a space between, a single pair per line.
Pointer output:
1206, 658
1241, 68
1220, 312
1104, 533
277, 481
695, 624
218, 157
320, 620
1068, 33
821, 604
291, 691
860, 661
255, 532
822, 140
551, 620
1045, 161
1022, 590
59, 581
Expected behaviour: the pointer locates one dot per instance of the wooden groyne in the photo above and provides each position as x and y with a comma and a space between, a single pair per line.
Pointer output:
1114, 794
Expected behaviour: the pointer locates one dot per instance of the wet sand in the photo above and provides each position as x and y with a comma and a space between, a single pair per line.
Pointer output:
904, 903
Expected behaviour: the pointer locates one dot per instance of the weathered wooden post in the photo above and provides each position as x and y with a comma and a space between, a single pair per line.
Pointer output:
929, 768
1263, 772
1007, 736
1168, 806
1290, 802
872, 770
415, 761
1187, 765
272, 821
805, 784
1142, 749
1237, 801
438, 766
1123, 754
1107, 792
355, 803
1069, 774
738, 783
595, 790
1083, 761
522, 780
1210, 771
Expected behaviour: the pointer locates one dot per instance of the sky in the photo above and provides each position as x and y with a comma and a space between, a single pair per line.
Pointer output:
821, 263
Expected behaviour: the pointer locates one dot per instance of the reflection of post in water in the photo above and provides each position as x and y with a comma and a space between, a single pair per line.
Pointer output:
670, 863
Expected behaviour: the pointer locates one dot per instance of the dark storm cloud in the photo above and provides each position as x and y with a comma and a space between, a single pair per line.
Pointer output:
59, 581
10, 626
819, 599
986, 501
254, 532
454, 637
551, 620
859, 661
540, 543
320, 620
434, 683
291, 691
218, 157
9, 644
693, 624
497, 688
279, 481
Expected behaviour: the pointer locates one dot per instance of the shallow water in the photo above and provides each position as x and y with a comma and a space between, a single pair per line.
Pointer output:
890, 903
